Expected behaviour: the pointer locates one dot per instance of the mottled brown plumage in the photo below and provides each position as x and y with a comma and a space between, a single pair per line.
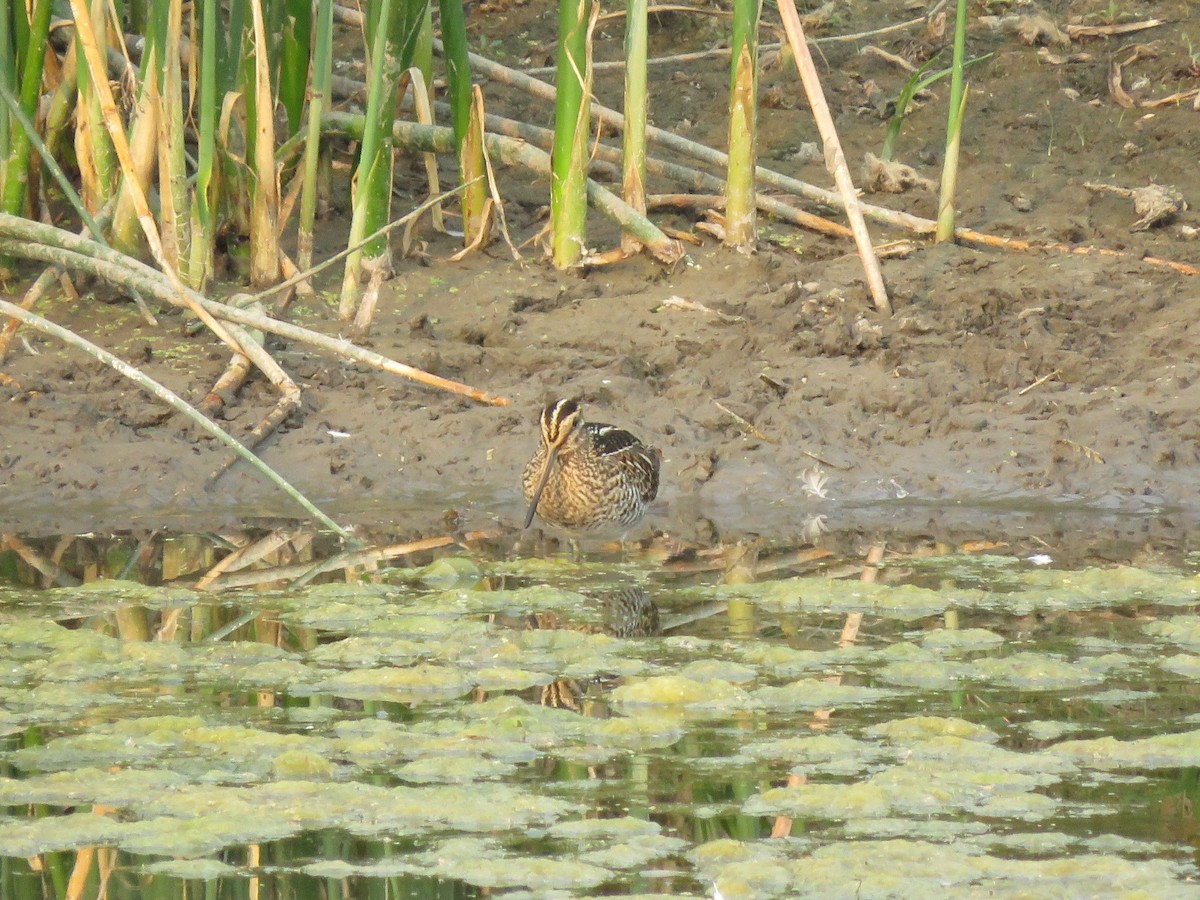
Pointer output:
587, 474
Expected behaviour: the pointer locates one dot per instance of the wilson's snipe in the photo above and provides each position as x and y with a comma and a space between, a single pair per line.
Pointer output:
586, 474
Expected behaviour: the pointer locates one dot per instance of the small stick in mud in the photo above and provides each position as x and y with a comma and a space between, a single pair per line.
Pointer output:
1025, 390
749, 426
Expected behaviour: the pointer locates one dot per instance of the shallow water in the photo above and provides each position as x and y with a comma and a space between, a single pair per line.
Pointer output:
968, 725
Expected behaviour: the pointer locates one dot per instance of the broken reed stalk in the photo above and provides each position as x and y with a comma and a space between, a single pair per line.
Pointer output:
518, 153
958, 105
112, 125
32, 240
633, 179
176, 402
569, 159
241, 577
835, 159
697, 180
741, 230
477, 206
616, 121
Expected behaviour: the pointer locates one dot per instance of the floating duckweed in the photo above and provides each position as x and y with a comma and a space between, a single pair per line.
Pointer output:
502, 679
1030, 843
541, 598
888, 868
785, 662
753, 879
638, 733
1049, 731
428, 628
181, 743
1033, 672
192, 869
108, 787
711, 856
453, 769
302, 764
821, 801
936, 787
675, 690
635, 855
587, 831
930, 675
443, 787
281, 674
1026, 807
447, 572
1182, 664
902, 602
1183, 630
1162, 751
966, 639
534, 872
66, 832
940, 830
339, 615
130, 593
979, 754
1121, 697
420, 682
371, 650
810, 693
1114, 586
831, 754
924, 728
488, 807
718, 670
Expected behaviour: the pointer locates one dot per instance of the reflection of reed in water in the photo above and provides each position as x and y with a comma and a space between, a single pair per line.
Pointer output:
628, 613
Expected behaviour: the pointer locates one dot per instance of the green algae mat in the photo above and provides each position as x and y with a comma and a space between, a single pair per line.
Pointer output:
546, 729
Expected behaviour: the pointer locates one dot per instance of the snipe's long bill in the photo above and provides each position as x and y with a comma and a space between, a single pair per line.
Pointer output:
588, 474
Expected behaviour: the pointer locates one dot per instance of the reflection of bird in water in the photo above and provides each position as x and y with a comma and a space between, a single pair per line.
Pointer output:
586, 474
628, 613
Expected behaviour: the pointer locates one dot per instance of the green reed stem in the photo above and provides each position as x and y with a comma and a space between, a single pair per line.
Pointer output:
568, 189
633, 181
16, 199
740, 205
375, 154
458, 65
949, 185
203, 225
294, 60
8, 77
52, 166
322, 73
946, 196
99, 165
470, 151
